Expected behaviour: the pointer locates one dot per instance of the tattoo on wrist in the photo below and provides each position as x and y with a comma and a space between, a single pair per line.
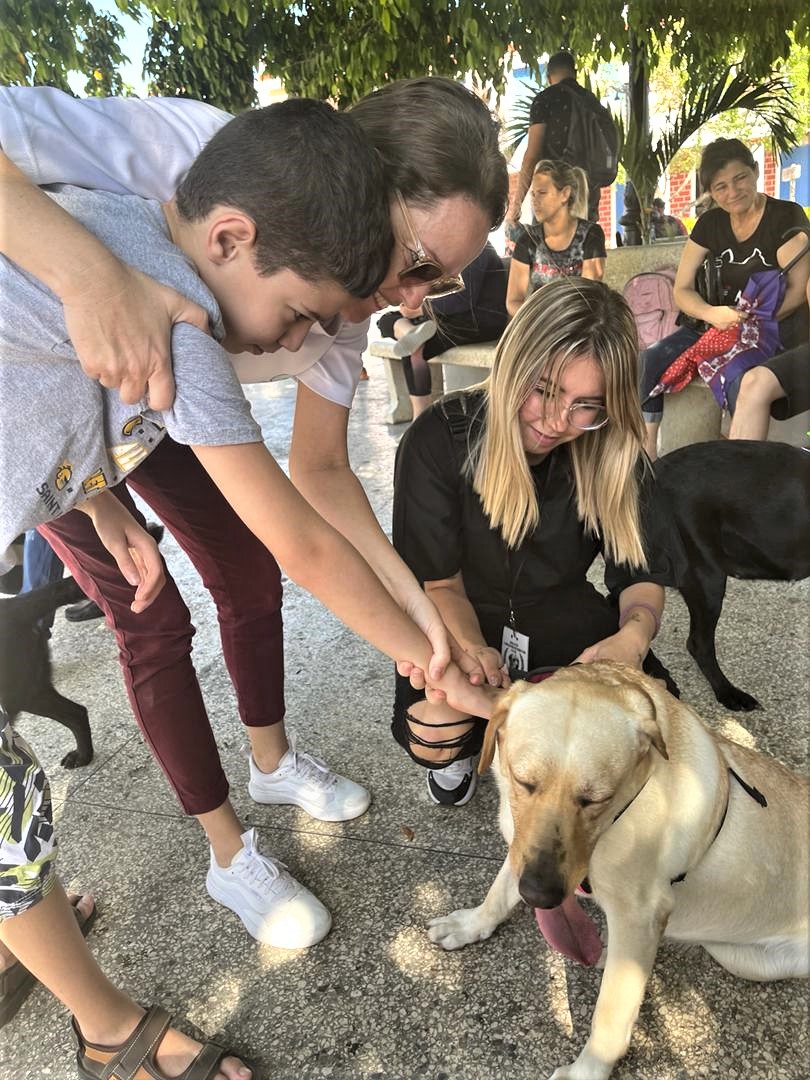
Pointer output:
631, 613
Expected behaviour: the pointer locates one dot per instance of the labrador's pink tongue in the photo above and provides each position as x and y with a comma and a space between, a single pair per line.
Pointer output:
570, 931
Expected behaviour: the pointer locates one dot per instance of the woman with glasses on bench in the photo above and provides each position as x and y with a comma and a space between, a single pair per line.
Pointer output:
505, 494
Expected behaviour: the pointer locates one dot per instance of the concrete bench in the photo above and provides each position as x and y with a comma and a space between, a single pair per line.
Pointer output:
693, 415
453, 369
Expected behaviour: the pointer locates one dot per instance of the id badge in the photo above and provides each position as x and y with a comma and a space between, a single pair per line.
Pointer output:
515, 651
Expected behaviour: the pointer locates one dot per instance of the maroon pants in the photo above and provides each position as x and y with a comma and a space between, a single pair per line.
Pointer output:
155, 646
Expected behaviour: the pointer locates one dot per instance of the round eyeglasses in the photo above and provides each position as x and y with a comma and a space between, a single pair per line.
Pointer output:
580, 414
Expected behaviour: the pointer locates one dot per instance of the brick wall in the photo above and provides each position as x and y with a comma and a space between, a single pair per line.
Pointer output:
769, 178
681, 194
605, 215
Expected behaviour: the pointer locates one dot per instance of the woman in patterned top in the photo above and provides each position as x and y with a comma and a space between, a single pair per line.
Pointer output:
562, 242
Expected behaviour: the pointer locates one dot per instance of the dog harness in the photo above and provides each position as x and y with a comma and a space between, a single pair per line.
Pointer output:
754, 793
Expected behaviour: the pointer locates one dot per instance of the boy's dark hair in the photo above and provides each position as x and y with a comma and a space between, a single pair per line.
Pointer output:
561, 62
312, 184
436, 139
720, 153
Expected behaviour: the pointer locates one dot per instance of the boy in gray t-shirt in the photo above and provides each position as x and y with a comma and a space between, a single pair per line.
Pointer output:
239, 218
73, 438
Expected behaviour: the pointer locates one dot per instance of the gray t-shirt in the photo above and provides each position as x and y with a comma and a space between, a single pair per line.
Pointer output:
63, 436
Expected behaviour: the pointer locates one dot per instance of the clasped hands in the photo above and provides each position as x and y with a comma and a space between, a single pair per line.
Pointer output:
134, 550
472, 682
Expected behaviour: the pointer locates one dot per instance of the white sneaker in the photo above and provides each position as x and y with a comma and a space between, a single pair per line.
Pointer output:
455, 784
415, 338
305, 781
275, 908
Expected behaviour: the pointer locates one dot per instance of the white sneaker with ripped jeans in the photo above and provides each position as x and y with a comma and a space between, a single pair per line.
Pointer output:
305, 781
274, 907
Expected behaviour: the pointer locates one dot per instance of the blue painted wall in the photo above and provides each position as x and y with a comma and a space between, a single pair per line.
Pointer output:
799, 156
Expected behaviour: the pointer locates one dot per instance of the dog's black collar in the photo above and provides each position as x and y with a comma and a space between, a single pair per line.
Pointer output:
754, 793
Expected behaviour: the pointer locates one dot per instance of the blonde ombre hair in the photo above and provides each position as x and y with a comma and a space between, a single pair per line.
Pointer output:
567, 319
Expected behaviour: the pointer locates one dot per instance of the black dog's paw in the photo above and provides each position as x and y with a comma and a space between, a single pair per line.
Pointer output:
737, 700
76, 758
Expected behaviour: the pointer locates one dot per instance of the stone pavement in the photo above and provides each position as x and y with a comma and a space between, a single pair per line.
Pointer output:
375, 1000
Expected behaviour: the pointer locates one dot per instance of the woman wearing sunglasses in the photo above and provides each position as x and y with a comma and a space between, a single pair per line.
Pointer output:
504, 496
447, 186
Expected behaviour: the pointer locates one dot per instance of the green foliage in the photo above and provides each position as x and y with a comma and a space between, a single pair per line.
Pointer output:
516, 130
694, 34
43, 41
215, 65
343, 49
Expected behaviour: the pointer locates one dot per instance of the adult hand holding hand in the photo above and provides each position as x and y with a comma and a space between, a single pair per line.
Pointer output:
624, 646
470, 700
489, 669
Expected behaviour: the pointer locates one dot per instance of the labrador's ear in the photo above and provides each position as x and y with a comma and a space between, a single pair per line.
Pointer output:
644, 698
496, 722
647, 718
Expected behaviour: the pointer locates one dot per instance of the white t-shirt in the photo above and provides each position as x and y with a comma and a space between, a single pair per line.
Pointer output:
144, 147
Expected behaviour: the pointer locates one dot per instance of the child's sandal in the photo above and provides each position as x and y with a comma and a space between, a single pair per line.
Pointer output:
135, 1058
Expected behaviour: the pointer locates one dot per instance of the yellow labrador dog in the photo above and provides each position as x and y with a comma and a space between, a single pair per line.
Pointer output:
606, 778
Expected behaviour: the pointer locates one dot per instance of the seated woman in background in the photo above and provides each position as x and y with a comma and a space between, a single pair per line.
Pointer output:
504, 495
465, 317
780, 388
743, 233
562, 242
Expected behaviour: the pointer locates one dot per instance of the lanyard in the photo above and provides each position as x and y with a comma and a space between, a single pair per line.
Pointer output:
513, 574
513, 580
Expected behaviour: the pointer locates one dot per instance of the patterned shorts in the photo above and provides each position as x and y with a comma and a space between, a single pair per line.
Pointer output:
27, 841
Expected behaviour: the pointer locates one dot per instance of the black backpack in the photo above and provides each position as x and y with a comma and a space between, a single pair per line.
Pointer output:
592, 141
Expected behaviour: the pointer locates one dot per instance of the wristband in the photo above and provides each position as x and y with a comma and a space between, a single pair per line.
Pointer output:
625, 615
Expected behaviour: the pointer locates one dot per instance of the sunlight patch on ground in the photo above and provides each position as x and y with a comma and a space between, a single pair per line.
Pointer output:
309, 841
432, 896
557, 1000
214, 1012
415, 955
679, 1016
731, 728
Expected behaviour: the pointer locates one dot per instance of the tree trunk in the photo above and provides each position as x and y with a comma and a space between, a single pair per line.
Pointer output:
638, 140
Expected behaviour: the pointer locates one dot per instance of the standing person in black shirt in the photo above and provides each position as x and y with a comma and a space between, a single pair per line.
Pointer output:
503, 497
549, 122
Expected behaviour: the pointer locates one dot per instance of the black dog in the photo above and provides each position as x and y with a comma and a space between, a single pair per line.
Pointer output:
742, 509
25, 664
